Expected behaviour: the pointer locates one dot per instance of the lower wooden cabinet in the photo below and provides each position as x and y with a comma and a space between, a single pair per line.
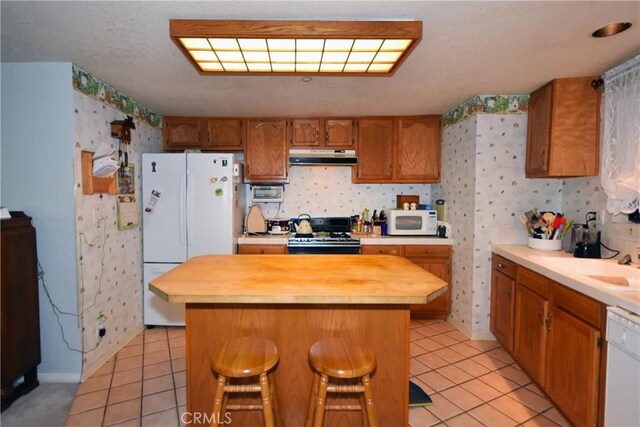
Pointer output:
502, 302
436, 259
262, 249
556, 338
530, 341
572, 360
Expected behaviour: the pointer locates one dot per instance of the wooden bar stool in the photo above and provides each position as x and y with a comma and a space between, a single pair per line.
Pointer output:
340, 359
243, 358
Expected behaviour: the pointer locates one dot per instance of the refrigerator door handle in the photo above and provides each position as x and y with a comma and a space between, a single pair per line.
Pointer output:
182, 208
189, 214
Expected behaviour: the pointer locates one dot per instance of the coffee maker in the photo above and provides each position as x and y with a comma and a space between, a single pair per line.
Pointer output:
585, 241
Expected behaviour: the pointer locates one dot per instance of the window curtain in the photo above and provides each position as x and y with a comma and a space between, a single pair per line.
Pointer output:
620, 159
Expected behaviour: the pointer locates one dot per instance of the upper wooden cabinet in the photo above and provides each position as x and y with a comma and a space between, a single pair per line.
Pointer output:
563, 134
418, 149
224, 134
181, 133
305, 133
266, 151
330, 134
375, 150
400, 149
339, 134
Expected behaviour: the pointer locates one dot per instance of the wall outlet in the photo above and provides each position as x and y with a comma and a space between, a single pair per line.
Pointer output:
101, 330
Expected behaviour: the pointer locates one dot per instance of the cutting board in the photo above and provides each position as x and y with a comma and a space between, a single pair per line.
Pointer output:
256, 222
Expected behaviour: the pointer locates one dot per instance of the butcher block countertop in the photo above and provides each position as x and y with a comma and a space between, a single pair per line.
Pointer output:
308, 279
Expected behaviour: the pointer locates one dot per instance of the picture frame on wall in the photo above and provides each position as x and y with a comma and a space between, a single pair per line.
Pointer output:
127, 204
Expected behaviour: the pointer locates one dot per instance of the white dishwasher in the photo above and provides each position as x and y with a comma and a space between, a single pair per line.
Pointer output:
623, 369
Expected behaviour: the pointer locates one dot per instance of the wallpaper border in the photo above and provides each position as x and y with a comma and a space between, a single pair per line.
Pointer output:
487, 104
90, 85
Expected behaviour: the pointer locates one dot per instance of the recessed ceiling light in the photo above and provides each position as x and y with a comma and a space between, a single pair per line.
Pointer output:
611, 29
354, 48
306, 79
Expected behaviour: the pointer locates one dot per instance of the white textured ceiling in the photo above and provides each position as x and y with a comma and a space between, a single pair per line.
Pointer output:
467, 48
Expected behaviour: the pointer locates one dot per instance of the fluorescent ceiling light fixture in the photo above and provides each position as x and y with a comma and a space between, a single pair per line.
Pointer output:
351, 48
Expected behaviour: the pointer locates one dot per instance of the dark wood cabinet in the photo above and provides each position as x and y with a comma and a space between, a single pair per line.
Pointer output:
339, 134
418, 149
531, 309
266, 151
436, 259
181, 133
20, 327
502, 301
375, 150
563, 133
224, 134
557, 338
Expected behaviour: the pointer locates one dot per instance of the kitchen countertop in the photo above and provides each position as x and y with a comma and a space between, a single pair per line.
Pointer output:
314, 279
269, 239
529, 258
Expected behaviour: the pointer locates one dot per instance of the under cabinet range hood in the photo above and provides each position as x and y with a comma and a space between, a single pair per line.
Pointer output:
323, 157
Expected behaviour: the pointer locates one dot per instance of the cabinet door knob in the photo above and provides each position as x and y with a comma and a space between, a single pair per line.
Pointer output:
509, 292
547, 322
428, 251
261, 251
317, 136
499, 265
380, 251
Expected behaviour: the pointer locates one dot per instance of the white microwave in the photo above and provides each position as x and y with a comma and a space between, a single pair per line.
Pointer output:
411, 223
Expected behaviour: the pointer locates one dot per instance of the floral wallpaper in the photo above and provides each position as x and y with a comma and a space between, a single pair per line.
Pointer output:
328, 191
484, 185
488, 104
107, 94
502, 193
457, 188
109, 261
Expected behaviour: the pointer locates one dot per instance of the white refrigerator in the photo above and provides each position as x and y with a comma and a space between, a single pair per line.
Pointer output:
192, 204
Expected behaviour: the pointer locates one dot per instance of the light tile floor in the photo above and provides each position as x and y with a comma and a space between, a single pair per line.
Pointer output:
472, 383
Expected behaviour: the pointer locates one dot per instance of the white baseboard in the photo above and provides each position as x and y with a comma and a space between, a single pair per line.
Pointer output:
483, 335
58, 378
89, 370
477, 335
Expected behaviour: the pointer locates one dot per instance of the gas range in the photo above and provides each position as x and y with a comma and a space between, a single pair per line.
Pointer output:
330, 236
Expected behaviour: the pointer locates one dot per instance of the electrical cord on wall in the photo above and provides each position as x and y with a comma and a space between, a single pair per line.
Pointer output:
57, 311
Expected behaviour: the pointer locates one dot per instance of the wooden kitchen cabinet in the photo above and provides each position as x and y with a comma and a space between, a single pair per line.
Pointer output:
339, 134
224, 134
502, 300
181, 133
398, 149
572, 366
262, 249
20, 318
557, 338
563, 133
530, 313
418, 149
266, 151
375, 150
436, 259
326, 133
305, 133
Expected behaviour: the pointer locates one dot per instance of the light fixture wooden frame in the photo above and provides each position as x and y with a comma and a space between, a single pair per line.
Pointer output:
408, 33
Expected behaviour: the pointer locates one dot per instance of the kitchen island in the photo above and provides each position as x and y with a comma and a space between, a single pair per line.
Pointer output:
295, 301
